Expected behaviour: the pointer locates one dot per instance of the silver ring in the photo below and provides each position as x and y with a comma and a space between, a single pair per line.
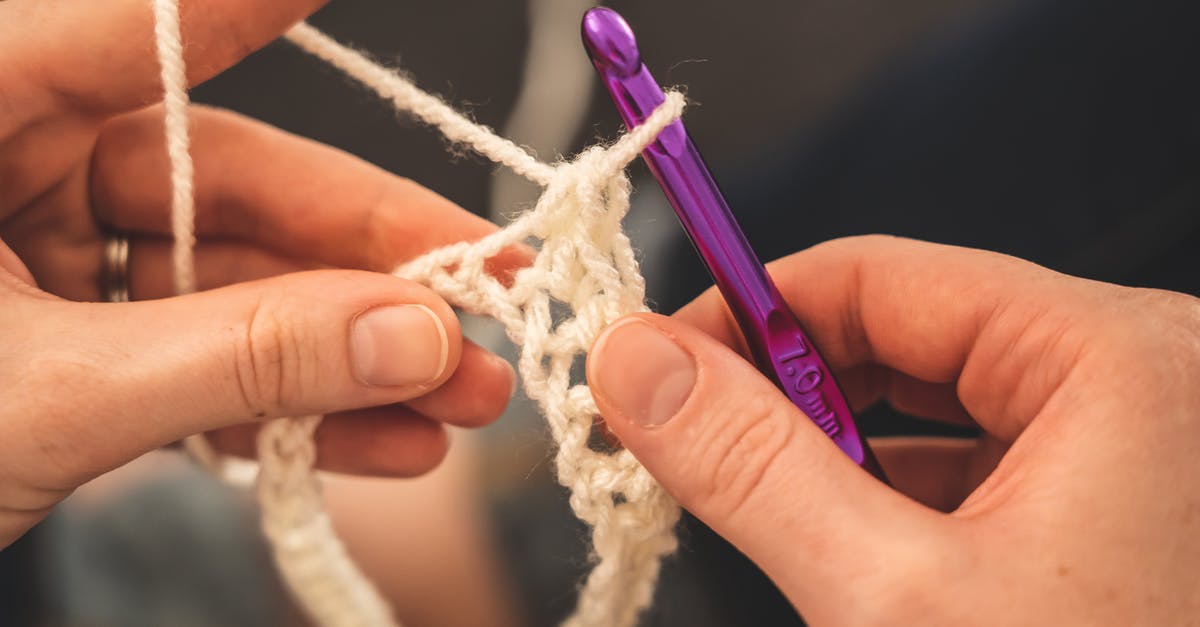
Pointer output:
114, 269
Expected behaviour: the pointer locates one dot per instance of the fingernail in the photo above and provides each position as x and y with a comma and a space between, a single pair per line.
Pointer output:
643, 372
398, 345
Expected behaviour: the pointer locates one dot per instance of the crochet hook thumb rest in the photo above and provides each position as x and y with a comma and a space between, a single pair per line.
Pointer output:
780, 347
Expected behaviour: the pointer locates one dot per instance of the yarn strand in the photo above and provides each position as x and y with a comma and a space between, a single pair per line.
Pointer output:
169, 46
406, 97
312, 561
584, 262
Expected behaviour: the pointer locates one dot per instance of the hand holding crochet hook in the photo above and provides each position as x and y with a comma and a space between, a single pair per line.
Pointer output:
1085, 394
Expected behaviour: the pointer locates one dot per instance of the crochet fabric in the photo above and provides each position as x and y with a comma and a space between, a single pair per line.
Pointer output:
583, 277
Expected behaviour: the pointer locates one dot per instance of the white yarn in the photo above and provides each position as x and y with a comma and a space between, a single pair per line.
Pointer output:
585, 263
175, 105
311, 558
406, 97
556, 91
173, 75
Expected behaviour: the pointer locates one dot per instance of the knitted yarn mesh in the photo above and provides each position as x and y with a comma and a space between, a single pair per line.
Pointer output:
584, 266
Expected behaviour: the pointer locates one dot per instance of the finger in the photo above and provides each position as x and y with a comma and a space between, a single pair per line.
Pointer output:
866, 384
70, 49
391, 441
147, 373
735, 452
863, 382
1002, 331
285, 193
218, 263
931, 470
73, 272
475, 395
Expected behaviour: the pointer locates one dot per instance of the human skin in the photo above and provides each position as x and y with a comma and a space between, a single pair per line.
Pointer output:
89, 386
1080, 503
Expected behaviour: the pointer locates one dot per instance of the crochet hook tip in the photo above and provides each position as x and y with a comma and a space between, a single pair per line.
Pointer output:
610, 42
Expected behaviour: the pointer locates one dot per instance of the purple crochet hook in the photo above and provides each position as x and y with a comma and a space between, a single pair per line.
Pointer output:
780, 348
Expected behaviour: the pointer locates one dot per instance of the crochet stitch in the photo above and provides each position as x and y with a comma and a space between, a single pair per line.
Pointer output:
584, 266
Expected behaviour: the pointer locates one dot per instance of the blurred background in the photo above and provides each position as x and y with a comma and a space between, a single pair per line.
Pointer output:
1066, 132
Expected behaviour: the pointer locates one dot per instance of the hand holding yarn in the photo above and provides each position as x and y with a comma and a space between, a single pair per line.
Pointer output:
1077, 505
89, 386
583, 260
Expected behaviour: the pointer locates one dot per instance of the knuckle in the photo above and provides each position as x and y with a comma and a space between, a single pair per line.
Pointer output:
229, 121
237, 40
1175, 344
1181, 308
265, 359
1157, 321
866, 241
738, 448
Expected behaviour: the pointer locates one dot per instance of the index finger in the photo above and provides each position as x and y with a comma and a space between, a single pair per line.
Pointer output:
299, 198
99, 56
1000, 332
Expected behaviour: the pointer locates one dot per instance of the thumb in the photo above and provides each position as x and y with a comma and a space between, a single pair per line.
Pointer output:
305, 343
736, 453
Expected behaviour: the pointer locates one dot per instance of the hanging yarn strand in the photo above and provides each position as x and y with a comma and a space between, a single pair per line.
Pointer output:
312, 561
310, 557
584, 262
169, 46
173, 75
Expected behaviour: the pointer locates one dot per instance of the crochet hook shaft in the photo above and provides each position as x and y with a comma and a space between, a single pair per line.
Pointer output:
780, 347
